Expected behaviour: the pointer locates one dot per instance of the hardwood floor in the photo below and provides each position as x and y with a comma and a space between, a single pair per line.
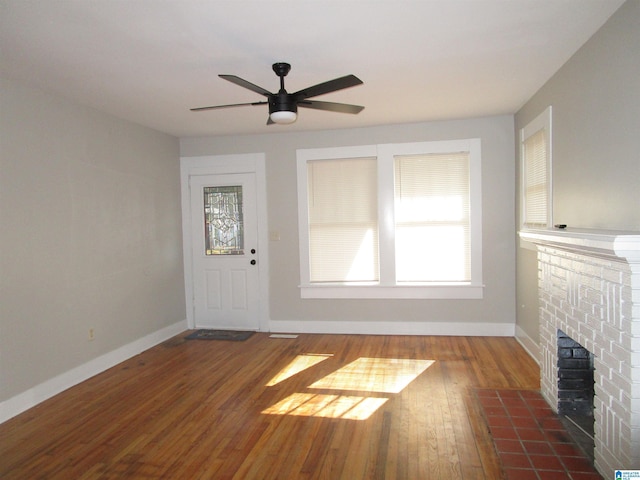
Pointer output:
316, 407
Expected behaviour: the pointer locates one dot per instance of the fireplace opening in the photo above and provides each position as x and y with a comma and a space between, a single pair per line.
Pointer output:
576, 391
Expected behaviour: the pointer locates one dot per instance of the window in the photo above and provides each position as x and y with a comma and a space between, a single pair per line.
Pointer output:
343, 220
535, 154
391, 221
223, 222
431, 200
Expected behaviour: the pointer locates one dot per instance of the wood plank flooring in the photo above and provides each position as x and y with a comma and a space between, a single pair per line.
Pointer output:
316, 407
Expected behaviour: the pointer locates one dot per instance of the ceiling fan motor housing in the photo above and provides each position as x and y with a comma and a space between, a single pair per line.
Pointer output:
282, 102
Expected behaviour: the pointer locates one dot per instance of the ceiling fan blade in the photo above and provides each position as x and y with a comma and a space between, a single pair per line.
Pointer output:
244, 83
331, 106
199, 109
327, 87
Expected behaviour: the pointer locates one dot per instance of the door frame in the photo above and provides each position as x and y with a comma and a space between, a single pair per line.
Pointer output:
220, 165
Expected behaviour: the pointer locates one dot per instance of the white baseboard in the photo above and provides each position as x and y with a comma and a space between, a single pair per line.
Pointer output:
395, 328
30, 398
528, 344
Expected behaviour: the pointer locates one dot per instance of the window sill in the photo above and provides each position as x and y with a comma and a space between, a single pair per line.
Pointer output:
421, 291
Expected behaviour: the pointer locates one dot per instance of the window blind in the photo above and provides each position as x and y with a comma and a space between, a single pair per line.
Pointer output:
535, 180
432, 217
343, 220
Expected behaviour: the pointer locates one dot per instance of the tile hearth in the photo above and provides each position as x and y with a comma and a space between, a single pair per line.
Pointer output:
530, 438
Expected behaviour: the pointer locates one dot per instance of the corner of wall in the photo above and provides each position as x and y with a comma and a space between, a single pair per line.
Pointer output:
531, 347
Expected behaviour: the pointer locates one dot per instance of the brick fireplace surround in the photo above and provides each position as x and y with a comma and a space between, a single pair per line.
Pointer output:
589, 288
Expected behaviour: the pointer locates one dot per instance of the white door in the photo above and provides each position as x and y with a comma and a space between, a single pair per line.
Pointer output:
224, 227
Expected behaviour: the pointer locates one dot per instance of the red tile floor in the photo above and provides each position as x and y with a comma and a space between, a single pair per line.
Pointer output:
531, 442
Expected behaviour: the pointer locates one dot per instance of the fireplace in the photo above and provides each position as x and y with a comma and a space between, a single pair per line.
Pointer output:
576, 391
589, 293
575, 378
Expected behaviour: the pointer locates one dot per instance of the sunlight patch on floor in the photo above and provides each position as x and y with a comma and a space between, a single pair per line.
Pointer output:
386, 375
328, 406
375, 375
297, 365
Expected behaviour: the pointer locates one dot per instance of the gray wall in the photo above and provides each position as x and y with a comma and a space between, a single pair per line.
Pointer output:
90, 235
498, 221
596, 142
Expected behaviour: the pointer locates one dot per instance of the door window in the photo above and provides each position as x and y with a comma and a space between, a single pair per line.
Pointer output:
223, 220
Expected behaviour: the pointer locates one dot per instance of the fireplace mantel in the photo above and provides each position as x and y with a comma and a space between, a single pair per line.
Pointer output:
607, 243
589, 288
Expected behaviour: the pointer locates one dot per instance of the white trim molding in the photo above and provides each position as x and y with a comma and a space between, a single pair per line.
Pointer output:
531, 347
218, 165
32, 397
386, 284
462, 329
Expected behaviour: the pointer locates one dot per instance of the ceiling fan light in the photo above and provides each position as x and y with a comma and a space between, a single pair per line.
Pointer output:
283, 117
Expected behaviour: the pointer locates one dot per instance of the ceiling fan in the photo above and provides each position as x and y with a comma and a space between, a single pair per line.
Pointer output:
283, 106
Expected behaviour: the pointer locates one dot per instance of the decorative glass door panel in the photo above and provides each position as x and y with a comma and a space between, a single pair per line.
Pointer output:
225, 262
223, 220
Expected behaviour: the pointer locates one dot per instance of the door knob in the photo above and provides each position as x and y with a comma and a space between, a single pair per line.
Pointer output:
253, 250
253, 262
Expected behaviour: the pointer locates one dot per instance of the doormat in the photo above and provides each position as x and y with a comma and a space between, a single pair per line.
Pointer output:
234, 335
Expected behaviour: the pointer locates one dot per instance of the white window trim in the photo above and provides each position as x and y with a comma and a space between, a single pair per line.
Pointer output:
541, 122
385, 289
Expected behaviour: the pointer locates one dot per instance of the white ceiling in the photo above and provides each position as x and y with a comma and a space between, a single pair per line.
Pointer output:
150, 61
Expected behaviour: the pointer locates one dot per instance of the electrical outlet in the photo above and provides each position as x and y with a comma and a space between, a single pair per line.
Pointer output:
91, 334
